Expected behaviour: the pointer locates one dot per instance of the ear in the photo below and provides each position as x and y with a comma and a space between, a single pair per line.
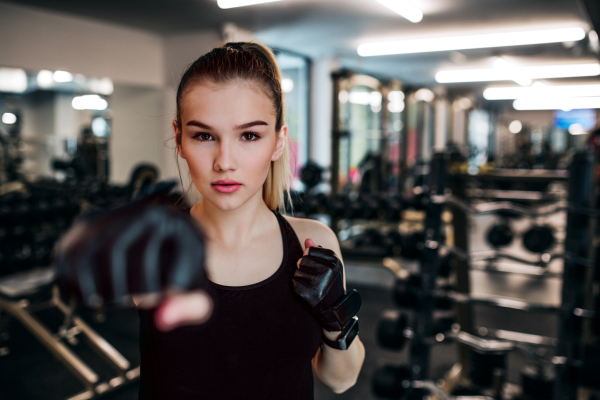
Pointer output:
280, 143
178, 139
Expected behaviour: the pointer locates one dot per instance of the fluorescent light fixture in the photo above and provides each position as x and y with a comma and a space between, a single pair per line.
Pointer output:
535, 72
502, 64
557, 103
13, 80
9, 118
511, 93
515, 126
62, 76
471, 42
45, 78
404, 8
241, 3
89, 102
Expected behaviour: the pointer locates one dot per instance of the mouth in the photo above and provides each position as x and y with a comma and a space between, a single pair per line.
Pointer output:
226, 186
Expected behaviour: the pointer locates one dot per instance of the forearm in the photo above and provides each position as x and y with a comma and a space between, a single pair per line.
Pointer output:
339, 369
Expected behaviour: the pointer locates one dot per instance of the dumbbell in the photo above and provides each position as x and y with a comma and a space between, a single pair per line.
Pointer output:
393, 209
411, 245
392, 241
539, 239
354, 209
395, 382
369, 238
337, 206
537, 382
484, 365
499, 235
314, 204
393, 330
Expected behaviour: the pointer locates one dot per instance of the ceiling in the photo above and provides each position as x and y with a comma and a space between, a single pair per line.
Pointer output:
336, 27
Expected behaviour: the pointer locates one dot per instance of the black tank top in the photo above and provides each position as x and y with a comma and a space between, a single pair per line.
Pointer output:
258, 343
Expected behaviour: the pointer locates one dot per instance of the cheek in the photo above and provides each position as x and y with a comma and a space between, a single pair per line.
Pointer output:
257, 161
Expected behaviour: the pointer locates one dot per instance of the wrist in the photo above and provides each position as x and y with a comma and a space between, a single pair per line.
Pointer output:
333, 335
345, 337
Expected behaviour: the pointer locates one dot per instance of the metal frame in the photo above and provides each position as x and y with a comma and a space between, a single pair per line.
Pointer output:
23, 312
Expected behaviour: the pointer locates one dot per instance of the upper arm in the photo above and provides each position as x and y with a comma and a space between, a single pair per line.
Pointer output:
319, 233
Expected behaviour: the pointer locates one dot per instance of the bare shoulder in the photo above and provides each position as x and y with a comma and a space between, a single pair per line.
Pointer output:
318, 232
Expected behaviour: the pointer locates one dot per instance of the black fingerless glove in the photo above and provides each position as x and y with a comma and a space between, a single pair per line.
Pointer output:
140, 248
319, 281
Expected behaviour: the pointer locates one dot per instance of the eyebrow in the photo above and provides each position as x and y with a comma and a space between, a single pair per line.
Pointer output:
251, 124
243, 126
198, 124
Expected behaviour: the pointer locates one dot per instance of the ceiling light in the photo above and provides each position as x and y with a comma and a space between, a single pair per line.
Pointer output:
13, 80
557, 104
536, 72
511, 93
9, 118
404, 8
89, 102
502, 64
45, 78
62, 76
471, 42
515, 126
241, 3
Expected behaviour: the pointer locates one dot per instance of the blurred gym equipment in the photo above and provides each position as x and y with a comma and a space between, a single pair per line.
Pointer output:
33, 216
483, 360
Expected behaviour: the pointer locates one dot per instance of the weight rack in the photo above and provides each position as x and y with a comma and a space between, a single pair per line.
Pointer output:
482, 356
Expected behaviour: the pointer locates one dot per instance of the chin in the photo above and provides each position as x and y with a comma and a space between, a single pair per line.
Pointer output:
226, 204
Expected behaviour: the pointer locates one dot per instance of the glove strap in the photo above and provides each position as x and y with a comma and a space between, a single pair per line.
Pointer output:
345, 338
337, 317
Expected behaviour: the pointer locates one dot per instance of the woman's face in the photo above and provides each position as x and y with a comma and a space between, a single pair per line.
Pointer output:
228, 139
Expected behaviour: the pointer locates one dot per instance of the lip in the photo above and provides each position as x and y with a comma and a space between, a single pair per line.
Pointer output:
226, 186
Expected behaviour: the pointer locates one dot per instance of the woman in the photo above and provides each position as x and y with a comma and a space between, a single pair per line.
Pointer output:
261, 339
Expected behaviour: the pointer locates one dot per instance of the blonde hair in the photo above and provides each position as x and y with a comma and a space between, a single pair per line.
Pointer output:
254, 62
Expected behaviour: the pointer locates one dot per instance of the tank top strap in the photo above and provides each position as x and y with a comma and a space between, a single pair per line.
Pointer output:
291, 242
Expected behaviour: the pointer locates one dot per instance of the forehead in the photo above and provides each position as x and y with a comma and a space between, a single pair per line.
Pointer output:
231, 103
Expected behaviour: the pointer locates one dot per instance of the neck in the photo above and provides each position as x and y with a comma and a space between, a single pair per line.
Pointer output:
233, 227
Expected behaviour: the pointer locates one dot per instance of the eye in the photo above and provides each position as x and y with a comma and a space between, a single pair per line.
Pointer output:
203, 137
250, 136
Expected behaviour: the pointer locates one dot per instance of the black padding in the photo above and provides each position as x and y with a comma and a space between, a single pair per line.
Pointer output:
389, 381
390, 331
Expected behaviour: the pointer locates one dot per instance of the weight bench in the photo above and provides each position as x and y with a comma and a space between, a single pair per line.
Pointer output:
18, 293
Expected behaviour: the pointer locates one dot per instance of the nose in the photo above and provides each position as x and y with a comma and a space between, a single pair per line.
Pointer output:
224, 157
